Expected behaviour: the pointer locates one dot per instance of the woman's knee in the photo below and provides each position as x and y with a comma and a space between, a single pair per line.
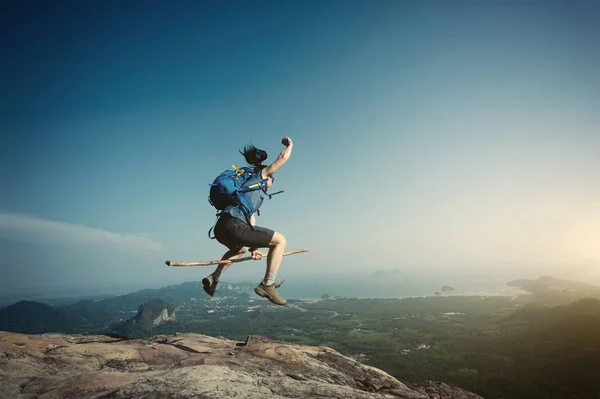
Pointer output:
278, 239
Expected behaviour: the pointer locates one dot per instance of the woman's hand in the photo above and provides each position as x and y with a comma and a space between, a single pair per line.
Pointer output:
257, 255
286, 141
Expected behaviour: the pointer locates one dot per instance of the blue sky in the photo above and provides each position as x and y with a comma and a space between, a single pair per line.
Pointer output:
430, 138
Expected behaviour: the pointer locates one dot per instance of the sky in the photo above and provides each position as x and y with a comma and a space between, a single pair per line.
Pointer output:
455, 139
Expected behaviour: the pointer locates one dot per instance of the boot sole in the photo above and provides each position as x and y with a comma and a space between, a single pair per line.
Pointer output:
265, 294
206, 286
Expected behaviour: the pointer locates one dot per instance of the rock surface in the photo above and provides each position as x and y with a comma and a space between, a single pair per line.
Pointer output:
191, 366
163, 317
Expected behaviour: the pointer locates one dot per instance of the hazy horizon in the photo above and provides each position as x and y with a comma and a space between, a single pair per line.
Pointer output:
442, 141
393, 284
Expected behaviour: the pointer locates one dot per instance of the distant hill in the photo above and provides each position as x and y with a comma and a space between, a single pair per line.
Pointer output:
151, 315
589, 306
96, 315
35, 318
553, 283
548, 289
177, 294
172, 293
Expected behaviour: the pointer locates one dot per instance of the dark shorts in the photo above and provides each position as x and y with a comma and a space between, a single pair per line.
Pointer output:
235, 234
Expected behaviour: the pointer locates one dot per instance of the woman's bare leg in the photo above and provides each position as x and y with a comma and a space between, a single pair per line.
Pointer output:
267, 289
274, 258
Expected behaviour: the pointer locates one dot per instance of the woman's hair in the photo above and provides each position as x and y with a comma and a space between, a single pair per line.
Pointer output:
254, 156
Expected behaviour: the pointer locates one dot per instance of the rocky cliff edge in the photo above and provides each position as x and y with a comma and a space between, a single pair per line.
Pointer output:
192, 366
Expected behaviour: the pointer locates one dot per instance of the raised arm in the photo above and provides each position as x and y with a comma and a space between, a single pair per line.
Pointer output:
281, 159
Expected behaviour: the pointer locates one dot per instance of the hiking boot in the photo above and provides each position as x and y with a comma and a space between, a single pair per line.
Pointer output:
210, 284
270, 292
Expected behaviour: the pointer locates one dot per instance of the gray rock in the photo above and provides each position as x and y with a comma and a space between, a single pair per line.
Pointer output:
191, 366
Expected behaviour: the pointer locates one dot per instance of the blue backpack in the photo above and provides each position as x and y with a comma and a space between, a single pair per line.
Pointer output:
229, 188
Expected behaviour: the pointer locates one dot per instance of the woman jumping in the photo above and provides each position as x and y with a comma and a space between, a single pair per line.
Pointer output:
239, 236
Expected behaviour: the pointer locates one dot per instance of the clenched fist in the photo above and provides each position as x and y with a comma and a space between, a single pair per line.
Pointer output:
257, 255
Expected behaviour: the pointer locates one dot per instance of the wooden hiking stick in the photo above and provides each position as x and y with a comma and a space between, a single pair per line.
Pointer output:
224, 262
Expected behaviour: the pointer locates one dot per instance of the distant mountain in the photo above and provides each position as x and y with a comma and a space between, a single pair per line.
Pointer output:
172, 293
177, 294
151, 315
549, 282
35, 318
589, 306
548, 289
96, 315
